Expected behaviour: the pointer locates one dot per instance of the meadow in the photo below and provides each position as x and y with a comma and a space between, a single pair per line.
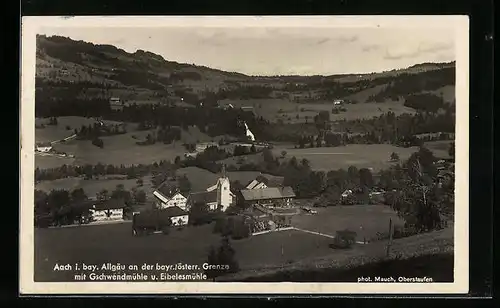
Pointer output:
365, 220
288, 111
373, 156
439, 148
114, 243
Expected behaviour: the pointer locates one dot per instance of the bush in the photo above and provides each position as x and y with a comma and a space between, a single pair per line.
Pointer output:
98, 142
344, 239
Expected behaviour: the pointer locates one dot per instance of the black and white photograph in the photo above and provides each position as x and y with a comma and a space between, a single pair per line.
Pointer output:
244, 154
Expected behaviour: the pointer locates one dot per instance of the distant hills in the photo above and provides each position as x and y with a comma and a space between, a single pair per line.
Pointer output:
103, 71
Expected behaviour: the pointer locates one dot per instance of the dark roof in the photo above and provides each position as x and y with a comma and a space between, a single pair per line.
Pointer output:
110, 204
275, 181
267, 193
203, 197
168, 189
172, 211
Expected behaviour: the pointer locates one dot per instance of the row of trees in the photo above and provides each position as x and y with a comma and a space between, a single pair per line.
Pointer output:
63, 207
91, 171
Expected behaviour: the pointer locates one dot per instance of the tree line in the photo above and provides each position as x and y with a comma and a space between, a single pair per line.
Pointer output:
63, 207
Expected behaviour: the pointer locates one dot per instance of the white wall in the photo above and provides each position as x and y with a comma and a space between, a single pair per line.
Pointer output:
224, 197
116, 214
183, 220
177, 200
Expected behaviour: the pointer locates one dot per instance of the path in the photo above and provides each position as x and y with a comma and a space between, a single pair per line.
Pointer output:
96, 223
65, 139
302, 230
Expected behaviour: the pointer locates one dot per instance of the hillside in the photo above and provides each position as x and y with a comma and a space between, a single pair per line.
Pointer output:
68, 69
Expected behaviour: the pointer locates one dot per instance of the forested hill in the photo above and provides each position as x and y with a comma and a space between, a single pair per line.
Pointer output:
69, 69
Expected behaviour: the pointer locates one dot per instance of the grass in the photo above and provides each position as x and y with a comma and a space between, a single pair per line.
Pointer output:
365, 220
286, 110
439, 148
429, 254
118, 149
258, 255
375, 156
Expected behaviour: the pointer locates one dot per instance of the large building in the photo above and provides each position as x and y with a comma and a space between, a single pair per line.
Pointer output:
268, 197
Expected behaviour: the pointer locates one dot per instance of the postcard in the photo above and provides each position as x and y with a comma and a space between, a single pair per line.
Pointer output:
244, 154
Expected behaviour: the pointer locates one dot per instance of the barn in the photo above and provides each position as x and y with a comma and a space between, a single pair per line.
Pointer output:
269, 197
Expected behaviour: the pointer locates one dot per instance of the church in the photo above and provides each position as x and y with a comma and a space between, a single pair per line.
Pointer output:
217, 196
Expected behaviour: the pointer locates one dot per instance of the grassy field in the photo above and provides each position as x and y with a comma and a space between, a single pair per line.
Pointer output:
92, 187
424, 255
439, 148
65, 127
375, 156
286, 110
114, 243
365, 220
118, 149
201, 179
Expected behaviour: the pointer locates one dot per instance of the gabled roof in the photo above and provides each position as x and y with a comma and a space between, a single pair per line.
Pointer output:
267, 193
168, 189
203, 197
111, 204
172, 211
252, 184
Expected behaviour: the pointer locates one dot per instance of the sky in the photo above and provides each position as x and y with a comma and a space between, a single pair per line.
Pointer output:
280, 50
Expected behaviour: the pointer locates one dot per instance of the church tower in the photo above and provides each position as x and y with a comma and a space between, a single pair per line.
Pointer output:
224, 195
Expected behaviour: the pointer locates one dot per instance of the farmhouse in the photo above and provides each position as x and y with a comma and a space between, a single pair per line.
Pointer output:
107, 210
267, 197
168, 195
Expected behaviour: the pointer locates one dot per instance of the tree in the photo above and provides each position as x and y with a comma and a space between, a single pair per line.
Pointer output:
78, 195
184, 184
394, 156
139, 196
98, 142
268, 156
199, 214
365, 178
283, 154
102, 195
140, 182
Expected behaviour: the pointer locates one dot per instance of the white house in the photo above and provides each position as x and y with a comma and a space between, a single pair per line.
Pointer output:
168, 195
178, 216
107, 210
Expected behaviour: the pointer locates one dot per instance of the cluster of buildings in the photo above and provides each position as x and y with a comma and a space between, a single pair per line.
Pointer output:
219, 196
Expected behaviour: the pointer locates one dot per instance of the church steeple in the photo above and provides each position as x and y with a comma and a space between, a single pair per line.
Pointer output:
223, 171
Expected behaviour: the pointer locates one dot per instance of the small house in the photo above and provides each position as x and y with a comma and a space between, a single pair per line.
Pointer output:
107, 210
177, 216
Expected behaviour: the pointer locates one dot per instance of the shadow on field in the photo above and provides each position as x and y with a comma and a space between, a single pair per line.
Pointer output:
438, 267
